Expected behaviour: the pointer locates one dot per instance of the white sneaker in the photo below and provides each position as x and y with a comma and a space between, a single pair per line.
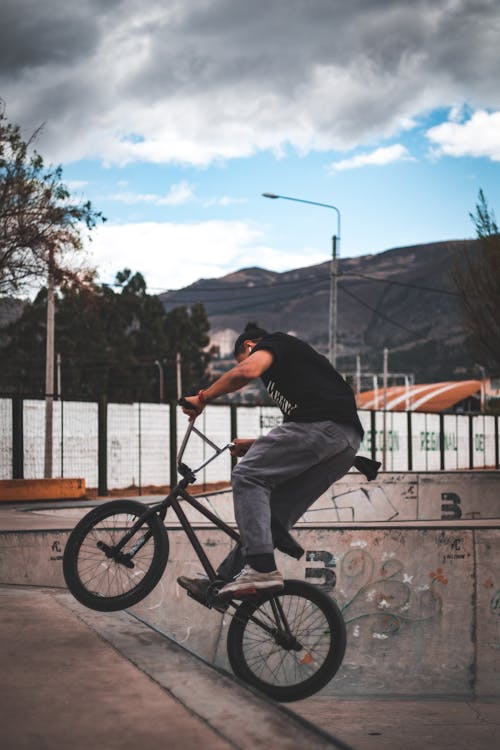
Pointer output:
250, 581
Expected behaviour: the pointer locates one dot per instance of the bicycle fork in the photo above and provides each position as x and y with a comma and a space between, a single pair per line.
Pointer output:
282, 634
126, 558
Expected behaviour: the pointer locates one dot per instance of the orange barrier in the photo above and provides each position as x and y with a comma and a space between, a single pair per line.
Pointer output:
26, 490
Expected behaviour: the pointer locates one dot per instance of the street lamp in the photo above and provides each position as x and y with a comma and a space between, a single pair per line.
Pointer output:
332, 327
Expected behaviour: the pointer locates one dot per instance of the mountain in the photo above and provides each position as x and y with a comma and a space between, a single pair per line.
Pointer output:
403, 299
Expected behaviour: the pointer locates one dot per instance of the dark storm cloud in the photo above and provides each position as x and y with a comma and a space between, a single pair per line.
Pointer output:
36, 33
315, 73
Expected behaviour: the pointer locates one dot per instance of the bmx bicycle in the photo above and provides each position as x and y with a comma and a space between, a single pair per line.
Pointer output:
287, 644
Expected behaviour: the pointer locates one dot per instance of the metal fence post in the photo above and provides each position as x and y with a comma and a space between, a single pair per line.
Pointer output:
173, 443
139, 447
17, 438
471, 442
373, 435
441, 440
234, 429
410, 440
497, 446
102, 447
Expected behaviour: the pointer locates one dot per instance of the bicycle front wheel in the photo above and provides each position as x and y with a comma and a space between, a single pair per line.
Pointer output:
289, 645
104, 573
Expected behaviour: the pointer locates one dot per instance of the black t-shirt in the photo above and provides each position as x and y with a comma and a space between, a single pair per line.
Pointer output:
304, 385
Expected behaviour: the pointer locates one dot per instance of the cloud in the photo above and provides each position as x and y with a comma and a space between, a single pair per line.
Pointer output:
224, 200
378, 158
171, 255
176, 196
167, 81
479, 136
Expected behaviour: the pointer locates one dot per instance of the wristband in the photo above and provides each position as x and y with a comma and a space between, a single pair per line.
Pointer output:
201, 396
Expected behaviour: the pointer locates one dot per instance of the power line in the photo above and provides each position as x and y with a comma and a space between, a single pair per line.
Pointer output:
377, 312
314, 279
401, 283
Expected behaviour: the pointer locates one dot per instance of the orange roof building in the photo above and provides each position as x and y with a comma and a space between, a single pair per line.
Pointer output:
433, 397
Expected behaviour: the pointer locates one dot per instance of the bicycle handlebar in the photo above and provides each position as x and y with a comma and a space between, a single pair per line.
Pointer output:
191, 428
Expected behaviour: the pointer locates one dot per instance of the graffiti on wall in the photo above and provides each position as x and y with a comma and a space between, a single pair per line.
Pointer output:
381, 502
383, 596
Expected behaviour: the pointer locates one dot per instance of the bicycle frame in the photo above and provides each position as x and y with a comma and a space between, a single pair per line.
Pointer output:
178, 493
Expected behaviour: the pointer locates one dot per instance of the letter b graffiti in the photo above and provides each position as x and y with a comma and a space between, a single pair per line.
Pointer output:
450, 506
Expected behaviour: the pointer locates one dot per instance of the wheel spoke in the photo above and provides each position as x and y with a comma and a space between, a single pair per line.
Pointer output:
294, 618
103, 577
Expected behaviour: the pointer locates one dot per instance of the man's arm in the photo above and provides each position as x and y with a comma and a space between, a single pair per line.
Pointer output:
252, 367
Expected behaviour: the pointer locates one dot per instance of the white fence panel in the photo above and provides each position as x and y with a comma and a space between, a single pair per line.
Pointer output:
215, 423
450, 426
483, 446
463, 442
6, 438
123, 446
254, 421
154, 438
365, 449
75, 441
425, 442
34, 431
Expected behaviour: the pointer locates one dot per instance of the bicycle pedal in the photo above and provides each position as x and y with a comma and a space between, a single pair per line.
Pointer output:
200, 599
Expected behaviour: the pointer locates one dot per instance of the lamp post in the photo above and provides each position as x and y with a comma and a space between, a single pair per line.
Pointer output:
332, 326
49, 369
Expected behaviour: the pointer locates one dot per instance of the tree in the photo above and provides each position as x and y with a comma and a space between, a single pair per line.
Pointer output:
477, 278
109, 339
39, 223
187, 335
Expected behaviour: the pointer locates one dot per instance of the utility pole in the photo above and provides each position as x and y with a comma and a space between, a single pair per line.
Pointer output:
49, 370
160, 370
332, 328
332, 319
178, 362
384, 464
358, 374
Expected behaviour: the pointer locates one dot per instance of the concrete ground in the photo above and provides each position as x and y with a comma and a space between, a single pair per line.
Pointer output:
395, 724
73, 677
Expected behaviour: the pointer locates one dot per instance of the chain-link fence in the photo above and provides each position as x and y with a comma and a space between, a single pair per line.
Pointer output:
120, 446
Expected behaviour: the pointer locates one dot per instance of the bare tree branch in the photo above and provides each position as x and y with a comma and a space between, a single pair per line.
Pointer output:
37, 215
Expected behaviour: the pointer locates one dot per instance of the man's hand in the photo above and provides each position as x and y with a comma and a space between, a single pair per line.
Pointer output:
241, 446
197, 406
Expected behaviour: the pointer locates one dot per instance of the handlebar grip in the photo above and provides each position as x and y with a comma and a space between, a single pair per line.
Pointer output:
186, 404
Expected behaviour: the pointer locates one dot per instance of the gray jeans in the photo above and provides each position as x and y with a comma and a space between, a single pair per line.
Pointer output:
282, 474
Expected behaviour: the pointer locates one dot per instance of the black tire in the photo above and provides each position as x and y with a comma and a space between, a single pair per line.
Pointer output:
101, 582
283, 673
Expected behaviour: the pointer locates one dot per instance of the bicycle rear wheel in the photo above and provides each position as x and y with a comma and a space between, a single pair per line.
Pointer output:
105, 578
289, 645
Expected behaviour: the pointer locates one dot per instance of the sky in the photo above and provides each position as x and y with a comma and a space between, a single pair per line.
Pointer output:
174, 116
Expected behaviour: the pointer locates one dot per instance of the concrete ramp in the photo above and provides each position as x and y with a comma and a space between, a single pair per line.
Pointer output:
421, 598
76, 678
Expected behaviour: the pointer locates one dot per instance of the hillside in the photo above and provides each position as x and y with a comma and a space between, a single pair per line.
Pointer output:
402, 299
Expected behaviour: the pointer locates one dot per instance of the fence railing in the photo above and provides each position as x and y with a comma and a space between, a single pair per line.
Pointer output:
117, 446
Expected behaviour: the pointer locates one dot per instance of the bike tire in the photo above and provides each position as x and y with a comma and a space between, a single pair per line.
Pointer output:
100, 582
281, 673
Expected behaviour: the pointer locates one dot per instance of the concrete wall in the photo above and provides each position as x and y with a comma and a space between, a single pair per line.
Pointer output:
422, 605
393, 497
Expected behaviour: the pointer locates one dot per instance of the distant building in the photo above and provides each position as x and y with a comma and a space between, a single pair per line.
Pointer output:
224, 339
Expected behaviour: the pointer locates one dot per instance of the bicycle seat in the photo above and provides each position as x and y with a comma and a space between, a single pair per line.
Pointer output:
367, 466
